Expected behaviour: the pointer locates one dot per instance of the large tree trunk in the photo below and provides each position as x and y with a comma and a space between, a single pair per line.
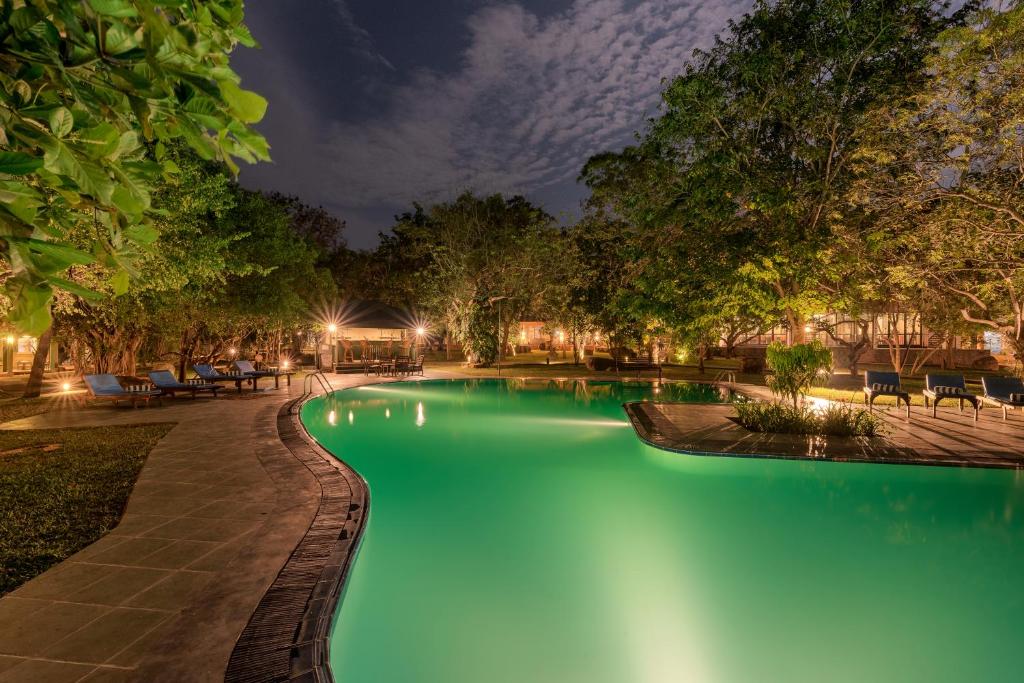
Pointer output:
35, 377
186, 350
797, 335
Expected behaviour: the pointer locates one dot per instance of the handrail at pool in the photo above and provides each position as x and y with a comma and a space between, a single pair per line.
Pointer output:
307, 383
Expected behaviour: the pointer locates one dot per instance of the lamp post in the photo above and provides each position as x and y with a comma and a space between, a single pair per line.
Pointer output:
331, 330
420, 331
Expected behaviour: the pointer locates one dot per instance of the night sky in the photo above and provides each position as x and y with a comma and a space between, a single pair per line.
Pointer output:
375, 104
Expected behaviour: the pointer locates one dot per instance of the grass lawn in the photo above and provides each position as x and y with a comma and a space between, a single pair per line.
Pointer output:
62, 489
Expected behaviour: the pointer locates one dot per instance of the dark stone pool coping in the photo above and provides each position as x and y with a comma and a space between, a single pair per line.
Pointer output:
286, 638
708, 430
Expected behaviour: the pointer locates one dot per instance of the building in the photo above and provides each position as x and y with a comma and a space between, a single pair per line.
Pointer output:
903, 331
370, 329
20, 349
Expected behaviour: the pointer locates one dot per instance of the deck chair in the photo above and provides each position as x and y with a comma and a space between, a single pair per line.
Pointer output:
877, 383
1004, 392
941, 387
247, 367
107, 387
169, 386
208, 373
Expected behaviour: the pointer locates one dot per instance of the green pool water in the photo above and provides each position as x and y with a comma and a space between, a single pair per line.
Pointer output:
520, 531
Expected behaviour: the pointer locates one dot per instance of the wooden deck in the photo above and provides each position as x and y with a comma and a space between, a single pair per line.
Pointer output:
952, 439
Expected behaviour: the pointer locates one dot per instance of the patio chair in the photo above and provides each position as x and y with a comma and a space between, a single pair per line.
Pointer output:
1004, 392
941, 387
247, 367
169, 386
107, 387
208, 373
878, 383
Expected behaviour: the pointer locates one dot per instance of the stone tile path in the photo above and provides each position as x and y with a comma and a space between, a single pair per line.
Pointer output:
218, 508
952, 438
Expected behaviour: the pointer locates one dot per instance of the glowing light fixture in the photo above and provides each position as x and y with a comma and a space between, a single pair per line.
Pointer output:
332, 328
284, 364
66, 386
10, 339
420, 331
232, 350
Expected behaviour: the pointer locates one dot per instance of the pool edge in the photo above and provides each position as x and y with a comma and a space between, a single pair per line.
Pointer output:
287, 636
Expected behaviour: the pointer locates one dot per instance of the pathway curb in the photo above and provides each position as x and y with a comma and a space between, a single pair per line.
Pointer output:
286, 638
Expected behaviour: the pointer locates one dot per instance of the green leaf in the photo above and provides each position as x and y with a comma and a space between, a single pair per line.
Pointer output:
119, 282
76, 289
247, 105
128, 143
20, 199
31, 310
143, 234
113, 8
90, 178
121, 39
127, 203
63, 253
61, 121
18, 163
100, 140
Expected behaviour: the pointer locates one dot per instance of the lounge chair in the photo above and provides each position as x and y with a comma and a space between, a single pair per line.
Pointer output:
877, 383
107, 387
940, 387
247, 367
169, 386
1004, 392
208, 373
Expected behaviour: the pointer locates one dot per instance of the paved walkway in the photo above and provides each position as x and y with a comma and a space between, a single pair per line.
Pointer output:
951, 438
218, 508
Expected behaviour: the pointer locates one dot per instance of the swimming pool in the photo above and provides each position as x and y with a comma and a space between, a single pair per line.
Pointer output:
521, 531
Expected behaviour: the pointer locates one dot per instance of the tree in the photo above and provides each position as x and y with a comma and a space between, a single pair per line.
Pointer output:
90, 94
461, 258
796, 368
227, 266
760, 130
944, 175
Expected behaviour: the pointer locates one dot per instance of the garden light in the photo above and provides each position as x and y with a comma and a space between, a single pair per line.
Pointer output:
332, 328
420, 331
66, 386
10, 339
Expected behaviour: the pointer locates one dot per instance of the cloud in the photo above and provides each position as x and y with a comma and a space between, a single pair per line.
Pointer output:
358, 39
531, 100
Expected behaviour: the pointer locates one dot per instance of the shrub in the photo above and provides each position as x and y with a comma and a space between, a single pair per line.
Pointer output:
835, 420
796, 368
